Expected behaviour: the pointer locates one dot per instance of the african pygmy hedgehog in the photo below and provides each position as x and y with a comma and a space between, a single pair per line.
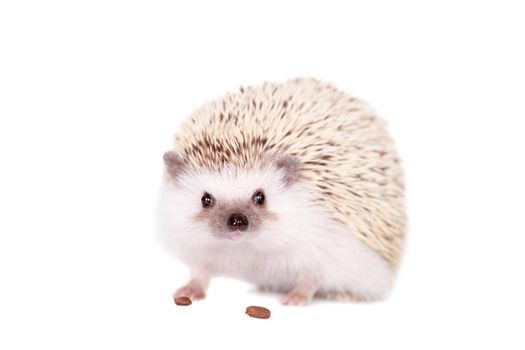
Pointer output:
295, 187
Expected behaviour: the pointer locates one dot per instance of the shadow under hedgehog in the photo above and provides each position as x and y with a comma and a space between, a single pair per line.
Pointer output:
295, 187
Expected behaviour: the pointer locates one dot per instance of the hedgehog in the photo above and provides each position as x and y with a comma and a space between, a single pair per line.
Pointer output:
295, 187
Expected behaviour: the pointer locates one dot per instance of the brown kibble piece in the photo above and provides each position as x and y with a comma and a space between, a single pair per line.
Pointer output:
258, 312
183, 301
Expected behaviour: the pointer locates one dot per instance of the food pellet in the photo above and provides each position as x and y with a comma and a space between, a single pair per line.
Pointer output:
258, 312
183, 301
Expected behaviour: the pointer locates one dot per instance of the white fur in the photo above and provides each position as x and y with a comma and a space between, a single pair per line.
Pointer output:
304, 240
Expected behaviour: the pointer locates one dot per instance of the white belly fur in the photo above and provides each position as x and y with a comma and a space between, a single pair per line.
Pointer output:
332, 255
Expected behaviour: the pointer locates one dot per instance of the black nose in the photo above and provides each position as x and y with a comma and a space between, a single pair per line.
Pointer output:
238, 222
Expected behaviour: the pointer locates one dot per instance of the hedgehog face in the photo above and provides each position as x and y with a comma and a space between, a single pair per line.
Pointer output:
233, 215
227, 205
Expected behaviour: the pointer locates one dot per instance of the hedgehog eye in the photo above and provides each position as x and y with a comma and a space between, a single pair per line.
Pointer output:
258, 197
207, 200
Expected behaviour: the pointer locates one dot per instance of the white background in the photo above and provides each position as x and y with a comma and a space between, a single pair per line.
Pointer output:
91, 93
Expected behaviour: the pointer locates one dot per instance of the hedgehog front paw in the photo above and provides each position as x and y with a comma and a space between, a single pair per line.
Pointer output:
295, 298
193, 290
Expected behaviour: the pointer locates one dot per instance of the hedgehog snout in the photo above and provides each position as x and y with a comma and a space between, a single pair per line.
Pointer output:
238, 221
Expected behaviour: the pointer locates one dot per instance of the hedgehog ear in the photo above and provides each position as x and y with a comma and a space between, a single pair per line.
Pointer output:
290, 166
174, 163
